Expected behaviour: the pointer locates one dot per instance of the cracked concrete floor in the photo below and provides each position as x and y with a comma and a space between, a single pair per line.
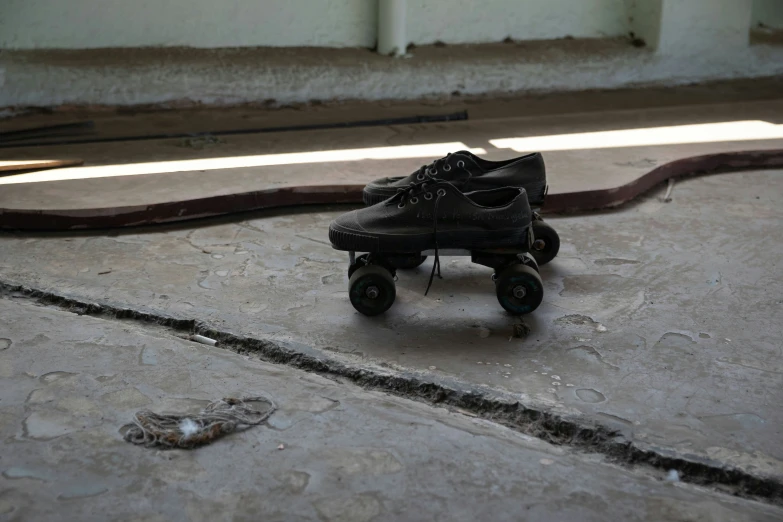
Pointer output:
660, 320
69, 382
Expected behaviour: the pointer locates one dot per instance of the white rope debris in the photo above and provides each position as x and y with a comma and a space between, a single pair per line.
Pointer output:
189, 431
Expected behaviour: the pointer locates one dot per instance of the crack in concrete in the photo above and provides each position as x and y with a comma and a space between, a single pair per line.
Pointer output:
572, 431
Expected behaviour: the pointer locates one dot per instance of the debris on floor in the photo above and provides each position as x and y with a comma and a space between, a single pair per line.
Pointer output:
203, 340
520, 330
200, 142
190, 431
667, 198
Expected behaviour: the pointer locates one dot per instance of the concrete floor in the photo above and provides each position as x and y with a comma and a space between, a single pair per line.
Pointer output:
69, 382
660, 320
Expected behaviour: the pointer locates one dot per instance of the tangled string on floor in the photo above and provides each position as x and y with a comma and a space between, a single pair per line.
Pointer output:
190, 431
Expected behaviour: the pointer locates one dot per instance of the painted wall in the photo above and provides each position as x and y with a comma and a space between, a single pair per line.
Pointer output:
768, 13
80, 24
471, 21
644, 17
698, 27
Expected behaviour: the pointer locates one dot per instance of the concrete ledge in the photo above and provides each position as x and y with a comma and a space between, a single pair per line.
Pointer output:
186, 76
211, 206
594, 161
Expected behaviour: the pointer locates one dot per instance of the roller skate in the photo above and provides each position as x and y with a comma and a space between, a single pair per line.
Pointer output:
433, 217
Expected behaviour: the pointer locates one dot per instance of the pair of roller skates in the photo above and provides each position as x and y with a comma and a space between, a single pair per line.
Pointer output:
457, 205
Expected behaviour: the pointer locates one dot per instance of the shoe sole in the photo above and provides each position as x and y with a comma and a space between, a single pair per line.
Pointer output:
537, 189
352, 241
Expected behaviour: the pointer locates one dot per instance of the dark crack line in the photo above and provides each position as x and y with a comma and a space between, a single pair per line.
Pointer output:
573, 432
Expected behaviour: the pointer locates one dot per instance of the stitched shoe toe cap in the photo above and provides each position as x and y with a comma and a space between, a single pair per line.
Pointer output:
347, 221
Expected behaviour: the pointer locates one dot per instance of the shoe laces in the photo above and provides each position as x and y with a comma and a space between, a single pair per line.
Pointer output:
410, 194
433, 169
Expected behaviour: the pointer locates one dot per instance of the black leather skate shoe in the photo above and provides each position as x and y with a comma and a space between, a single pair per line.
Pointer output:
432, 215
468, 172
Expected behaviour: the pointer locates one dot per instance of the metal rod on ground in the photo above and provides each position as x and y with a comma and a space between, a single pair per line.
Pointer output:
47, 131
204, 340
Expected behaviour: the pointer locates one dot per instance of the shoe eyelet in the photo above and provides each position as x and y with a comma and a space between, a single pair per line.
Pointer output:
441, 192
460, 164
428, 196
420, 177
414, 200
447, 167
401, 205
433, 172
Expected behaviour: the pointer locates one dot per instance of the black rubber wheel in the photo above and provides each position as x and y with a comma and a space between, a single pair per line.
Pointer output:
371, 289
408, 263
546, 243
519, 289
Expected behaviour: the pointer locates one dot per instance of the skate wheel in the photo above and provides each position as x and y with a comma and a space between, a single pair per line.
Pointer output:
519, 289
371, 289
546, 242
408, 263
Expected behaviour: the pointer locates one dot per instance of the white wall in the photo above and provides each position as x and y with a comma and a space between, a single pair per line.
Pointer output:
694, 27
80, 24
474, 21
645, 19
768, 13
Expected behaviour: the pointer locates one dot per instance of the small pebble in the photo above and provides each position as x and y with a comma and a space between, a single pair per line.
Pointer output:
433, 368
217, 256
281, 447
556, 377
673, 476
601, 328
555, 383
569, 385
547, 462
